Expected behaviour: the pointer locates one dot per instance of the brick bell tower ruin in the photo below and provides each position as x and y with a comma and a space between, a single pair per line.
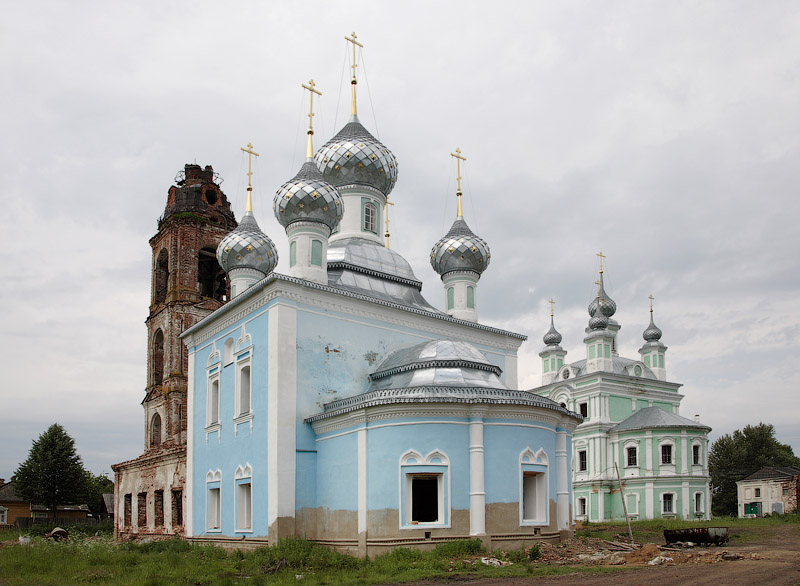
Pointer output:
187, 284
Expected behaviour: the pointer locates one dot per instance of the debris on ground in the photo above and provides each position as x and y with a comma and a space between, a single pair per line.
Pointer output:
57, 534
494, 562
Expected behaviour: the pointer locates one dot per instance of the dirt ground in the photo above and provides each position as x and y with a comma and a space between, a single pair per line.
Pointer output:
773, 560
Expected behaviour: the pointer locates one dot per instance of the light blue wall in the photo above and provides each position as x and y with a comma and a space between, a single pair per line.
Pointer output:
227, 450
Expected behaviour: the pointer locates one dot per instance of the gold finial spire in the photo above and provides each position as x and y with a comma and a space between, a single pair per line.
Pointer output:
602, 256
311, 91
353, 82
250, 152
552, 304
650, 297
388, 203
598, 288
458, 158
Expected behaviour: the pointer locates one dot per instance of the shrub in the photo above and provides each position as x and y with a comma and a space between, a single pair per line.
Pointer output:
460, 548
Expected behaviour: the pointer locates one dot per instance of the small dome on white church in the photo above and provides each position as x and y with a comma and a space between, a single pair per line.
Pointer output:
653, 332
552, 337
607, 305
599, 321
355, 157
247, 247
309, 197
460, 250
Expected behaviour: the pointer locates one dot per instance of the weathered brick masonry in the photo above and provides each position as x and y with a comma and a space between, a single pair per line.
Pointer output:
187, 284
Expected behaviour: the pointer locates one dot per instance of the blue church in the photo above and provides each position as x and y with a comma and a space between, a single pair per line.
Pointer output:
333, 402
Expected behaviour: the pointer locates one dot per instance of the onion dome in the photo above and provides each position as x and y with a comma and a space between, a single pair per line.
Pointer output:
355, 157
460, 250
308, 197
247, 247
607, 305
552, 337
599, 320
653, 332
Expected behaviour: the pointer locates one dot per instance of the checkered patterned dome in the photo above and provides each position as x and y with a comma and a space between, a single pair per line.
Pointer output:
354, 156
460, 250
653, 332
308, 197
247, 247
607, 305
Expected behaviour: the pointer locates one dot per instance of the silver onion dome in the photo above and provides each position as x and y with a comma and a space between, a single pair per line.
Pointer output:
460, 250
552, 337
247, 247
308, 196
354, 156
599, 321
607, 305
653, 332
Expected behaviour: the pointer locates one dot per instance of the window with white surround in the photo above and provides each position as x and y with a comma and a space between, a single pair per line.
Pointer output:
370, 218
631, 456
758, 493
227, 352
214, 500
3, 516
212, 401
533, 487
244, 498
424, 490
696, 455
668, 503
582, 461
666, 448
698, 504
243, 388
584, 409
581, 507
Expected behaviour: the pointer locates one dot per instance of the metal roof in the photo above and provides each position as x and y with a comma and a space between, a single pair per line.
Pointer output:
775, 472
655, 417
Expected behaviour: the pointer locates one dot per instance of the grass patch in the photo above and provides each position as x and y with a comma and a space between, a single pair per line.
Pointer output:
96, 559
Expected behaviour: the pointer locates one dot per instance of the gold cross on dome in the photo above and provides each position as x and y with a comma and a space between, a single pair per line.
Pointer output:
353, 82
458, 157
388, 203
598, 288
651, 298
250, 152
311, 92
552, 304
602, 256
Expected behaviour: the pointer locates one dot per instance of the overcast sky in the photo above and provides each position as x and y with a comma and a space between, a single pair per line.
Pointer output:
664, 134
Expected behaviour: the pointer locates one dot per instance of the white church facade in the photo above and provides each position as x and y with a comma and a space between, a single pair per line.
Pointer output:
335, 403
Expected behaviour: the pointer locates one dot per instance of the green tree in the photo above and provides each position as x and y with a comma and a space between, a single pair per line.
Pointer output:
735, 456
95, 486
53, 474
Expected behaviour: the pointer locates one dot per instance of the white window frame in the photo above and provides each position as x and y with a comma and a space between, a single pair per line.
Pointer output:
701, 510
667, 441
412, 465
633, 511
243, 360
584, 450
674, 499
3, 515
213, 424
244, 477
534, 465
214, 483
369, 223
699, 445
631, 445
227, 352
578, 513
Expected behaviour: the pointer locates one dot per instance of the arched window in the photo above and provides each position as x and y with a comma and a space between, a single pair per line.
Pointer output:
292, 253
370, 218
470, 297
161, 277
227, 352
210, 276
451, 298
316, 253
158, 358
244, 390
155, 431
